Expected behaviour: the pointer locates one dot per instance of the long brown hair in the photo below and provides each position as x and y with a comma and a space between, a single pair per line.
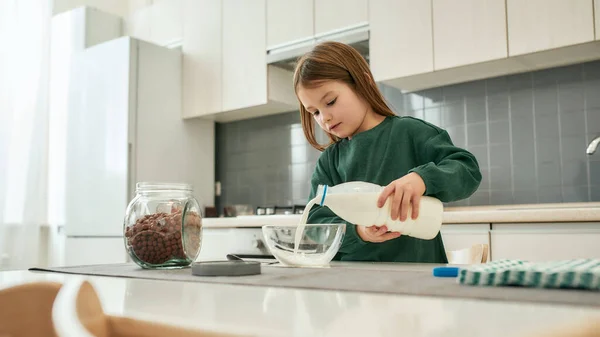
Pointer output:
339, 62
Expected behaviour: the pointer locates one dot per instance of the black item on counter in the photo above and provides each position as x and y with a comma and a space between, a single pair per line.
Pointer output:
225, 268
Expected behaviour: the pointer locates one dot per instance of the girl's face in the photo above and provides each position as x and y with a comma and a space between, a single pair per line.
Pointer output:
336, 107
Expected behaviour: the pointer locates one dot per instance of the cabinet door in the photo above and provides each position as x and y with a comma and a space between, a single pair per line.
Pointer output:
401, 38
468, 31
138, 24
535, 25
544, 242
244, 54
165, 21
332, 15
202, 53
289, 21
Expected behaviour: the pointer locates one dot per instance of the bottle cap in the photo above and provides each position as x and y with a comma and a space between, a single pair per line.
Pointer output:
445, 271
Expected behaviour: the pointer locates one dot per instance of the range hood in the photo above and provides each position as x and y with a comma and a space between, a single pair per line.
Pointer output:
285, 55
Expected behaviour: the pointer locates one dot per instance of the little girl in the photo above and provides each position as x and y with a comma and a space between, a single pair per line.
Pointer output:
409, 156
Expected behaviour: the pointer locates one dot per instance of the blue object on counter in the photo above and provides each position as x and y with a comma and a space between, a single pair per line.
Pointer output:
445, 271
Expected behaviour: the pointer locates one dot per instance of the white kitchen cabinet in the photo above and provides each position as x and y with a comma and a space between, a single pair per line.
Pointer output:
461, 236
332, 15
165, 21
468, 32
536, 25
225, 72
138, 24
545, 241
159, 22
202, 58
401, 38
289, 21
244, 54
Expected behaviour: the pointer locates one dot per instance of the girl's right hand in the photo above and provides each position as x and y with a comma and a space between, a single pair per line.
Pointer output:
376, 234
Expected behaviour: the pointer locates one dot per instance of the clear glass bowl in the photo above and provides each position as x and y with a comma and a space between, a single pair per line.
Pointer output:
163, 226
318, 243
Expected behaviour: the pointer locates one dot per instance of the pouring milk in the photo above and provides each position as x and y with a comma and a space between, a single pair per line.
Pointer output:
356, 202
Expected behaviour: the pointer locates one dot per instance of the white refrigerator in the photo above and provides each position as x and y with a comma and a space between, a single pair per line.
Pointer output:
124, 125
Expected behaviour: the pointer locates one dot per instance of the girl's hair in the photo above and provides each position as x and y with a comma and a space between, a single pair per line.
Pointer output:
338, 62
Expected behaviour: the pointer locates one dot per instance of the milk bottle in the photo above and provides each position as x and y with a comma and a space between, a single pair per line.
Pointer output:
356, 202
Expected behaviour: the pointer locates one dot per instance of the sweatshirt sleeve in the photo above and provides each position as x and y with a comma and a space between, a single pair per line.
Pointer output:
450, 173
322, 214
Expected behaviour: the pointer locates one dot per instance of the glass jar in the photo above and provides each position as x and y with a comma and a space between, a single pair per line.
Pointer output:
153, 232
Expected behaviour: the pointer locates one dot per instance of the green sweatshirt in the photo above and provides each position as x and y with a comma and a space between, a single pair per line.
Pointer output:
390, 150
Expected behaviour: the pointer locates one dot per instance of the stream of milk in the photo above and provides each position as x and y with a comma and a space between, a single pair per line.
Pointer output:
302, 224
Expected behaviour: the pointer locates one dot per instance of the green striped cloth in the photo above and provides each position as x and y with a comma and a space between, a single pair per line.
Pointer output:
578, 273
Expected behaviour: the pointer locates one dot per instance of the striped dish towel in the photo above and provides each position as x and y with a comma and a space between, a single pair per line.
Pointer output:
578, 273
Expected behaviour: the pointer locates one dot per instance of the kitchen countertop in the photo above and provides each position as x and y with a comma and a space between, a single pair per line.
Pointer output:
523, 213
267, 311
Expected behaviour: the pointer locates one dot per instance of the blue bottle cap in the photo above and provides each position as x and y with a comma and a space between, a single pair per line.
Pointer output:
445, 271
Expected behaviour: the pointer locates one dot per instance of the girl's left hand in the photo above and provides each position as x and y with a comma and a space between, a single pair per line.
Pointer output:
406, 191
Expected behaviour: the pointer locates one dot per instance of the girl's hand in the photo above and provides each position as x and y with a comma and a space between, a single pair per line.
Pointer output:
375, 234
406, 191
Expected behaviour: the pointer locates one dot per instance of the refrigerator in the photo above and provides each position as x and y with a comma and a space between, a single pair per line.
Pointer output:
124, 125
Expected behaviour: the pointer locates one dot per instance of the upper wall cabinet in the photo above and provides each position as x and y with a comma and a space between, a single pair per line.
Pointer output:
138, 23
477, 39
331, 15
159, 22
401, 40
165, 21
289, 21
202, 58
468, 32
225, 71
537, 25
244, 50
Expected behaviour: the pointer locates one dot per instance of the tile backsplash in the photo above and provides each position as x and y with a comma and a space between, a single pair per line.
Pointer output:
528, 131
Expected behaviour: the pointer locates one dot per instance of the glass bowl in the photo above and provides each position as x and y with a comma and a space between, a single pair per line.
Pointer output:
318, 243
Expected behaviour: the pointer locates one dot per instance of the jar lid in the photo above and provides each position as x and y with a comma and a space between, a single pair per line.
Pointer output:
225, 268
157, 186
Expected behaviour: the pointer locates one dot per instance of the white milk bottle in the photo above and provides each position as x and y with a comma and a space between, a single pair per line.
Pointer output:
356, 202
